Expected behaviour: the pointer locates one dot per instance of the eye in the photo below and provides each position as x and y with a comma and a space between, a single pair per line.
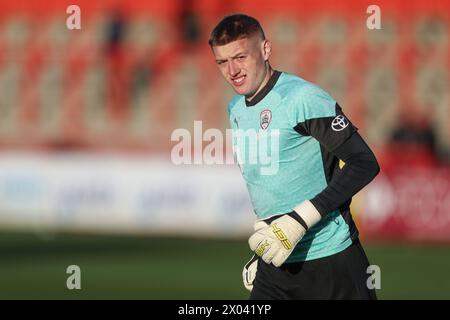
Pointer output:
220, 62
241, 58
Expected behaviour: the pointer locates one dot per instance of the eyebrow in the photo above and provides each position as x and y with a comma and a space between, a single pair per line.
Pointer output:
239, 54
235, 56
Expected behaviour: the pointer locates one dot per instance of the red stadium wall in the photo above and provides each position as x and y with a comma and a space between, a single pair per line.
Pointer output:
374, 75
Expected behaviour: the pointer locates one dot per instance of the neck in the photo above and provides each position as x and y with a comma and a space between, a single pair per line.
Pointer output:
269, 72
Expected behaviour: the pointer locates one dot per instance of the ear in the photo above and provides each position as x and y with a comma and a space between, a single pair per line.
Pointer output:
267, 49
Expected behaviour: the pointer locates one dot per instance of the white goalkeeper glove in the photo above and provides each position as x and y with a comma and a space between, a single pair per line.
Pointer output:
276, 242
250, 268
249, 272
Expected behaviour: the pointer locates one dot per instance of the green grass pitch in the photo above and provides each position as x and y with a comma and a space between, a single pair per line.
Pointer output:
119, 267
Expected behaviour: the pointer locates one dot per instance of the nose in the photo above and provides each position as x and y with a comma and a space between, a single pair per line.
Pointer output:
233, 70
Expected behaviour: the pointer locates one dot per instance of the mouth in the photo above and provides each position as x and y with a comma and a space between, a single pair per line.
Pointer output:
238, 81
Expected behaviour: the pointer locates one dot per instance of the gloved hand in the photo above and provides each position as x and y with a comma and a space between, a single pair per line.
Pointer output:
250, 268
276, 242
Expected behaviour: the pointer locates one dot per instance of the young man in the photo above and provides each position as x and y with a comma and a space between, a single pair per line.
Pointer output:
305, 241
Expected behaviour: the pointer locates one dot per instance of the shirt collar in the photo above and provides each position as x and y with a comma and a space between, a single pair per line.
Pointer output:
265, 90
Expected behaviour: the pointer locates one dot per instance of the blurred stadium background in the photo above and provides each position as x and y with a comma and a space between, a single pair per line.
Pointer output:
86, 118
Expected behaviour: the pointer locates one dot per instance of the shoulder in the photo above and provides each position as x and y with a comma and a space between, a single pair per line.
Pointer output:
299, 89
305, 100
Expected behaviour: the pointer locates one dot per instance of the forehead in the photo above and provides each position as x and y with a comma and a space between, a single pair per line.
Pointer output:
234, 47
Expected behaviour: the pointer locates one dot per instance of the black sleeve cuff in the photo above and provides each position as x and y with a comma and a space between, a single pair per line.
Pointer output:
294, 215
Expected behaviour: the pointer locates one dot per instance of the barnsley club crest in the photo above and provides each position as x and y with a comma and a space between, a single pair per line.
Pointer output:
265, 117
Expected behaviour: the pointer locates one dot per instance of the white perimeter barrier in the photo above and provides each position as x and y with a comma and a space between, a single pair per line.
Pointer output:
123, 194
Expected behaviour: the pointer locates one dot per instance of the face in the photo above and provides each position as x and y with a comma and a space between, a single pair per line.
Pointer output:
244, 64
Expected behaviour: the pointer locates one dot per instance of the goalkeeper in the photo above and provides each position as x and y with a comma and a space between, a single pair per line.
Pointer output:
305, 240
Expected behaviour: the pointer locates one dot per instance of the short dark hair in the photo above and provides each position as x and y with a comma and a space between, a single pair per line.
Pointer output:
234, 27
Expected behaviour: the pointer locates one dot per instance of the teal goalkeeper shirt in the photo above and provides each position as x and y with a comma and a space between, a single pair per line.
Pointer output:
283, 164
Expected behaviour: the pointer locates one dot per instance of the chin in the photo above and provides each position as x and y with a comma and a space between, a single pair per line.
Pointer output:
242, 91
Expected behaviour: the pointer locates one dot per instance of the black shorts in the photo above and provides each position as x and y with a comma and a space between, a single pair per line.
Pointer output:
340, 276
